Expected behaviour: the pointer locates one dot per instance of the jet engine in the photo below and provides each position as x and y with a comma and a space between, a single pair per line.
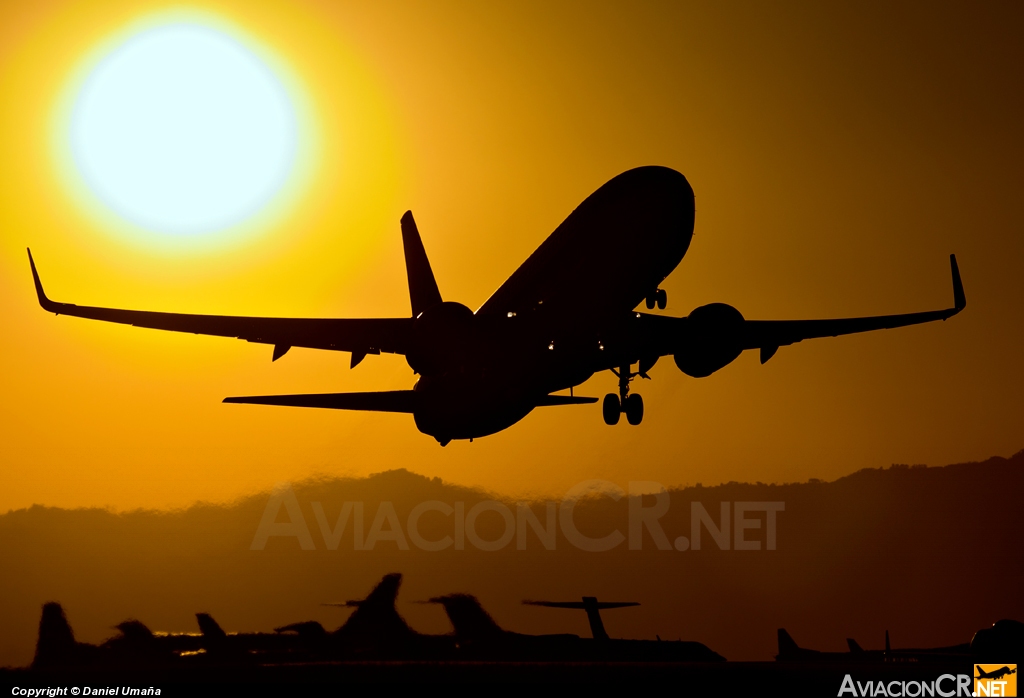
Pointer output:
442, 339
712, 340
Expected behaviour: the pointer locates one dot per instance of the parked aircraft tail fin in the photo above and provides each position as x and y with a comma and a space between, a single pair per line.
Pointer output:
469, 619
375, 618
135, 631
56, 642
423, 291
855, 648
209, 627
786, 643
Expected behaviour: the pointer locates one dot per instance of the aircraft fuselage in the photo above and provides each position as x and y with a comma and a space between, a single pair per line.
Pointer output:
482, 372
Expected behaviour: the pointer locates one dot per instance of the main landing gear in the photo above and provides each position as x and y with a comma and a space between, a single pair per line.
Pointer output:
659, 298
631, 404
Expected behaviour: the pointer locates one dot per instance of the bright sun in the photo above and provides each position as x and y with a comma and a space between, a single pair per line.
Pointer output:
183, 130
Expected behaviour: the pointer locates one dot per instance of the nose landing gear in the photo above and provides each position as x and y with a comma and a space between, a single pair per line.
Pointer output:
631, 404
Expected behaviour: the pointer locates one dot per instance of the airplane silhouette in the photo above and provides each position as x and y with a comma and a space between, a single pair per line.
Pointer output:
997, 674
1004, 639
925, 654
134, 645
375, 630
479, 637
789, 651
566, 313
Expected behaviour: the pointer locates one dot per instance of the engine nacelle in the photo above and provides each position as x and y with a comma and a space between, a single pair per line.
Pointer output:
442, 339
712, 340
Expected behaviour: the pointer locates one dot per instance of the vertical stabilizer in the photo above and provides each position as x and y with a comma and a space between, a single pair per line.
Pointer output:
423, 292
469, 619
135, 631
592, 608
787, 645
209, 627
56, 644
375, 619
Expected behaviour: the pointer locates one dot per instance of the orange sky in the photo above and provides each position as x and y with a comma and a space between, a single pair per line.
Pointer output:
838, 155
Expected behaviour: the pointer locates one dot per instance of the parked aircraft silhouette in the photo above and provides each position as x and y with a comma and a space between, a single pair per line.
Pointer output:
1002, 642
568, 312
789, 651
925, 654
375, 630
246, 647
861, 653
134, 645
479, 637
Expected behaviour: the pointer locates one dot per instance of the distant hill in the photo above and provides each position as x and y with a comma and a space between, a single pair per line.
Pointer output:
929, 553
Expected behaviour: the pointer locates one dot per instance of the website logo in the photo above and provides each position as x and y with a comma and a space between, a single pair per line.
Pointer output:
995, 680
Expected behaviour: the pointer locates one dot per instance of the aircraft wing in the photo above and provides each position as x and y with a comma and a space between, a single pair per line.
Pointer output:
769, 335
359, 336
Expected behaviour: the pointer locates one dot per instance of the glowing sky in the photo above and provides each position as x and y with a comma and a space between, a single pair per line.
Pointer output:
838, 155
182, 130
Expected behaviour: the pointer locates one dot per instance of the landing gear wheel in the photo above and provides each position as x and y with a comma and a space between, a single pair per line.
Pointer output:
661, 298
611, 409
651, 300
633, 406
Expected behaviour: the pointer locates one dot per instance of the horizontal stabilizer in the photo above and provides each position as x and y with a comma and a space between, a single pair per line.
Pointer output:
388, 401
582, 605
592, 606
308, 629
551, 400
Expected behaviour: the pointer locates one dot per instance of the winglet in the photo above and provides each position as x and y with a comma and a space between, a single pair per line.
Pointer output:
423, 291
959, 299
45, 302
